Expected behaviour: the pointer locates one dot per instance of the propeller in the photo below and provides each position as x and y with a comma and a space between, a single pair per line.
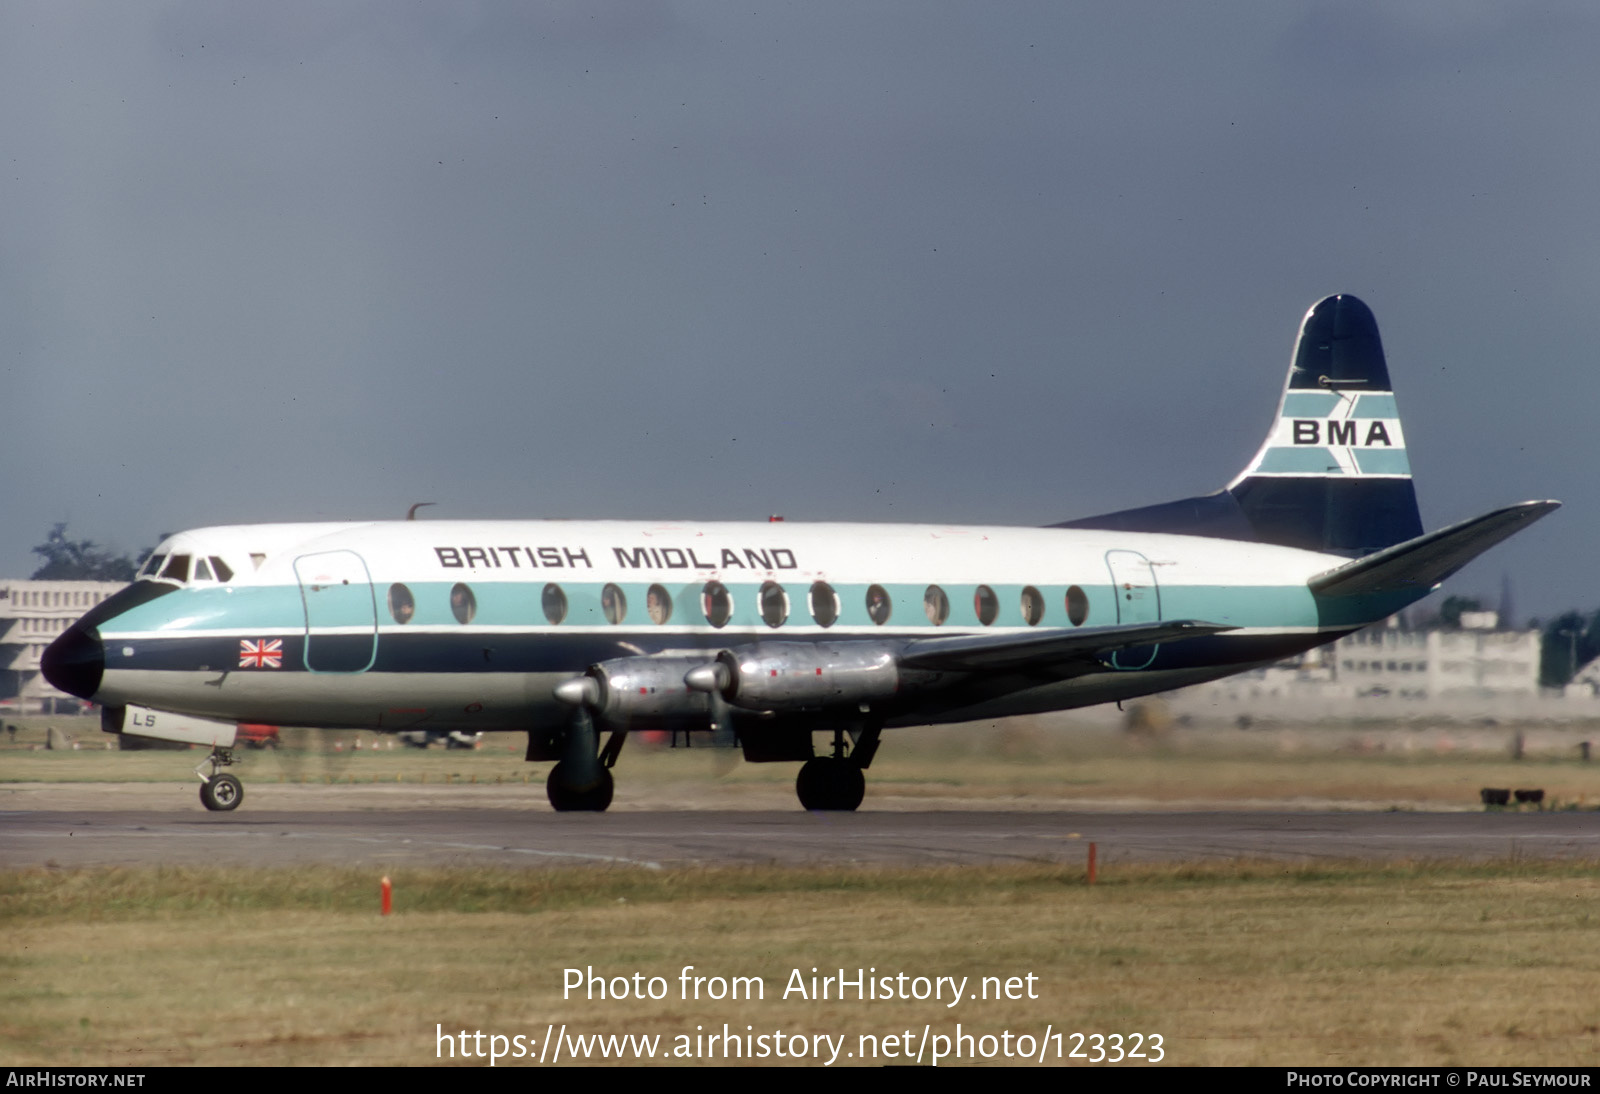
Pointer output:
301, 754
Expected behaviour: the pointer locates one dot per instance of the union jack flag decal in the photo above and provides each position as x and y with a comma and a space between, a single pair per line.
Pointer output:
265, 654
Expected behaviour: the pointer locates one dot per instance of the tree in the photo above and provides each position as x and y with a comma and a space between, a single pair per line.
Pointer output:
1450, 611
79, 560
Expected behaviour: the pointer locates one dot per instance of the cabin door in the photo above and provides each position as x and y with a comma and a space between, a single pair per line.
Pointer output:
341, 612
1133, 580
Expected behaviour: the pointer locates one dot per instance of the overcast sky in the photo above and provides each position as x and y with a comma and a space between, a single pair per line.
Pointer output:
955, 262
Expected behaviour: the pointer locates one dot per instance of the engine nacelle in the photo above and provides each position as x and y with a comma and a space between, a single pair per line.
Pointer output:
648, 690
786, 676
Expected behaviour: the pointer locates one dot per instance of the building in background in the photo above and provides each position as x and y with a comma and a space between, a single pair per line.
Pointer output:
32, 613
1391, 671
1476, 660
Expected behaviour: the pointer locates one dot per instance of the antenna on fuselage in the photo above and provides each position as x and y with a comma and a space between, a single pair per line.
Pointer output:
411, 514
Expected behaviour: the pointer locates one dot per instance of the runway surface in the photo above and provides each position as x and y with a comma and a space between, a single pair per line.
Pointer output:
535, 837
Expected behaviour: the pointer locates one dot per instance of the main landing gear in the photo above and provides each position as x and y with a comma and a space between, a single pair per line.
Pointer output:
564, 798
836, 783
581, 782
830, 784
220, 793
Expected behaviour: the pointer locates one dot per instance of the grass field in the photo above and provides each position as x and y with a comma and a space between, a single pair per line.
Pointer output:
1242, 964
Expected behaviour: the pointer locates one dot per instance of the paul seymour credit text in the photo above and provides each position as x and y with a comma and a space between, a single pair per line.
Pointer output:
558, 1043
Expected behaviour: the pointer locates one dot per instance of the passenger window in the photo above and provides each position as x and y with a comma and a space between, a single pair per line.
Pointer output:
824, 604
717, 603
658, 603
985, 604
224, 572
936, 604
554, 602
463, 605
613, 604
1077, 606
774, 604
177, 568
402, 605
878, 606
1032, 606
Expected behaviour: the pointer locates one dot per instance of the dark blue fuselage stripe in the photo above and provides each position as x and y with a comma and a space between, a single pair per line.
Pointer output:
469, 652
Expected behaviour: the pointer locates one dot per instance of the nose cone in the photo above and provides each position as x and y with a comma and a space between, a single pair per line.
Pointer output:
75, 661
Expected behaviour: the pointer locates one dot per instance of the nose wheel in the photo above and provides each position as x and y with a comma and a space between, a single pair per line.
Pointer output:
218, 792
221, 793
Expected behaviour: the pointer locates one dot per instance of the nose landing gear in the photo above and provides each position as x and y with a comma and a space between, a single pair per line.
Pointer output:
220, 793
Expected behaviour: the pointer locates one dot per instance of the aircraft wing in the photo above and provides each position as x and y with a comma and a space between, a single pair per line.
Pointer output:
990, 652
1427, 560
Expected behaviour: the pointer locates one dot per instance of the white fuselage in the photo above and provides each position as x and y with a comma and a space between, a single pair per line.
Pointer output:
474, 623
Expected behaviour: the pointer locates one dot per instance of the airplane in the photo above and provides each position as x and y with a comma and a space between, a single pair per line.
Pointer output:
765, 633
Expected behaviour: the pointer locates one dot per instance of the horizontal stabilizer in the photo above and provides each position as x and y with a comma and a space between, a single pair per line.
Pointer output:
1423, 562
999, 652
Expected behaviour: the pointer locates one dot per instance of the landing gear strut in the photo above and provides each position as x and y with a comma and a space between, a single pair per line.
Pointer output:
581, 782
835, 783
218, 792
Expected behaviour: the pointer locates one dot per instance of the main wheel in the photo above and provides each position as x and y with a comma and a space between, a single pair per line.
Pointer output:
564, 799
830, 784
222, 793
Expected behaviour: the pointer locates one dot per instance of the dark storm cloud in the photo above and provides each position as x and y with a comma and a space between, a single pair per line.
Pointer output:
904, 261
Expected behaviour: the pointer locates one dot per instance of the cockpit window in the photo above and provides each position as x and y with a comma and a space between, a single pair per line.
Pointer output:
177, 568
224, 574
152, 566
202, 570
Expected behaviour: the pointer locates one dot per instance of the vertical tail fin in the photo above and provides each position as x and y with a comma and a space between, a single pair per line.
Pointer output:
1332, 474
